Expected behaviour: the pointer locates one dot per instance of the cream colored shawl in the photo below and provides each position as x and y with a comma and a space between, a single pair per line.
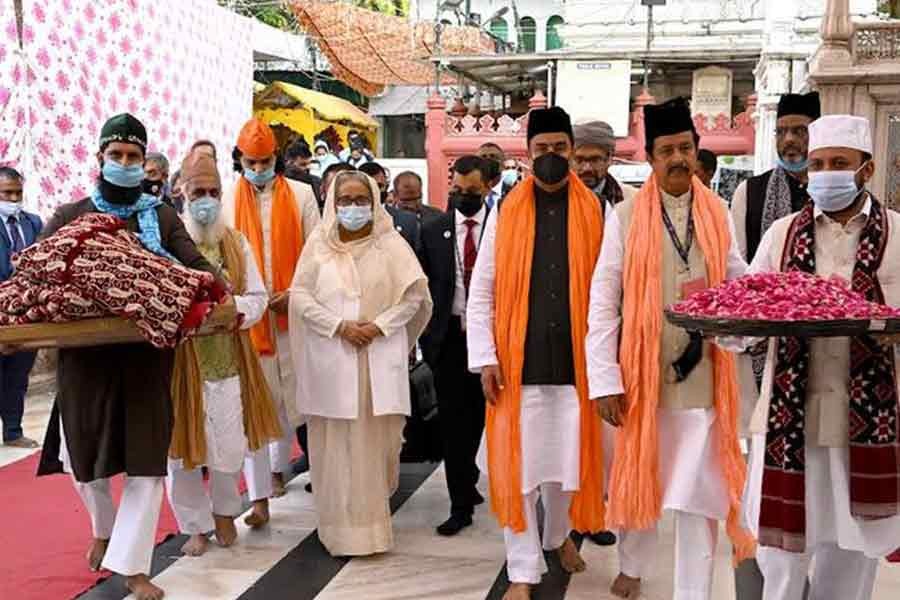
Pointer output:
384, 253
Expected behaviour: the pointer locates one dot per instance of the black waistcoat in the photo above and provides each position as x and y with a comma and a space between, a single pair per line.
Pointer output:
548, 340
756, 202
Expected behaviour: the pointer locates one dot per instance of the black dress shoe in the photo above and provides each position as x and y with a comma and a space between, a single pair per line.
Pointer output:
454, 525
603, 538
308, 488
479, 499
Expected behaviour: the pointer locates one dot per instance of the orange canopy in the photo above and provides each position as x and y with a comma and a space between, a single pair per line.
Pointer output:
368, 50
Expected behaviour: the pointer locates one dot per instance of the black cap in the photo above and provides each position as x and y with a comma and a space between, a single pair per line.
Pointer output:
549, 120
807, 105
667, 118
123, 128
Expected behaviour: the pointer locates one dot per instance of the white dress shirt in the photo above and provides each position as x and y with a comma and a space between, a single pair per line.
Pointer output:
459, 293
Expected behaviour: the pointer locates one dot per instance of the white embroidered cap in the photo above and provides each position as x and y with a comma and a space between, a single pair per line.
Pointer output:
841, 131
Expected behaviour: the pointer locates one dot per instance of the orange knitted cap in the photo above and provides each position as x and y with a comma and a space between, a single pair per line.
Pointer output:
257, 140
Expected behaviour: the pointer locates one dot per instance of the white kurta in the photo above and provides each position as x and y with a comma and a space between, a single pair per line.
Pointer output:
689, 468
550, 415
828, 518
278, 370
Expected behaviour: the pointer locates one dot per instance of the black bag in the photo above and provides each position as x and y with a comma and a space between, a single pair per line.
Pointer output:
424, 396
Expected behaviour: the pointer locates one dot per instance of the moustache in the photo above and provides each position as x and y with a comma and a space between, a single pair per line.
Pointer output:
681, 167
792, 148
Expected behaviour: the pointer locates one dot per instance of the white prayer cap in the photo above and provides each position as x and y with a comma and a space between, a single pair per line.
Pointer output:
841, 131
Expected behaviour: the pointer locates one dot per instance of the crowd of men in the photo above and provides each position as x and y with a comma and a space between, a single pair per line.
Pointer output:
557, 376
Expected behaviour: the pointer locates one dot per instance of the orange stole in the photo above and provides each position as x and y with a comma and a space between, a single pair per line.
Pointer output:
635, 498
514, 251
286, 243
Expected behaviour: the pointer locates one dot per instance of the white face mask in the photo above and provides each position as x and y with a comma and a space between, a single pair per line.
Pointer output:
833, 191
10, 209
354, 218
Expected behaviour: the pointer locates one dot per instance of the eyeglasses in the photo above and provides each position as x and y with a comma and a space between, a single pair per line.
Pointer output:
355, 201
800, 131
593, 160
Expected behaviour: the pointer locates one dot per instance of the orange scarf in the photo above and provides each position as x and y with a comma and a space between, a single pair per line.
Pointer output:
286, 244
635, 500
515, 248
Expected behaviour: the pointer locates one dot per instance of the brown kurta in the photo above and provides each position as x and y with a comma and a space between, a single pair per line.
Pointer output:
114, 401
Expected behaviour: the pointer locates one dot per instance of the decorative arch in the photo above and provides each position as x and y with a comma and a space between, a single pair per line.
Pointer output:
527, 34
553, 40
499, 28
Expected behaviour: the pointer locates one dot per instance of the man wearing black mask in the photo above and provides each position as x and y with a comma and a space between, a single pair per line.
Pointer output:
526, 326
447, 252
156, 176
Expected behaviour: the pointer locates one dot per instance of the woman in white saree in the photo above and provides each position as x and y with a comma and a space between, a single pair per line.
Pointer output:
359, 301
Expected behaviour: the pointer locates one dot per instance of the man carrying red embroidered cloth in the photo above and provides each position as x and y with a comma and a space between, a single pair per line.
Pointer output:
276, 215
825, 464
113, 404
672, 395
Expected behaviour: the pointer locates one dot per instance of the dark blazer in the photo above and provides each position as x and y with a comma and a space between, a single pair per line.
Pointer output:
31, 228
437, 255
406, 223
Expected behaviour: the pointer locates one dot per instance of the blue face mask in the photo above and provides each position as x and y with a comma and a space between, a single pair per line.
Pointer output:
205, 210
833, 191
792, 167
126, 177
10, 209
510, 177
260, 179
354, 218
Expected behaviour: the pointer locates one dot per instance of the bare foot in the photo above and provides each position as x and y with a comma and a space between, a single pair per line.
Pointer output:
518, 591
196, 545
626, 587
259, 514
570, 557
96, 552
226, 532
140, 586
278, 489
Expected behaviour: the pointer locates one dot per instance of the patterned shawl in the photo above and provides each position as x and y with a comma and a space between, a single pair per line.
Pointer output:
148, 219
874, 447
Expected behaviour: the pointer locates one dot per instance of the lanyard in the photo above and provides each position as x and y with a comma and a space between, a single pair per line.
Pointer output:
684, 250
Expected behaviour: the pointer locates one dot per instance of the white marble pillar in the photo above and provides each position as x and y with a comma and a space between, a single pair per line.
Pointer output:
773, 78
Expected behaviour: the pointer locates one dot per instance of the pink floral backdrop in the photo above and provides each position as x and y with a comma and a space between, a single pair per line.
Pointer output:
184, 67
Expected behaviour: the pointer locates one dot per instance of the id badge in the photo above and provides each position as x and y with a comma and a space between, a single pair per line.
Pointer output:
689, 288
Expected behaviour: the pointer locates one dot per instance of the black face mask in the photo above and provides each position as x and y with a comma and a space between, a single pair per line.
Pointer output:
551, 168
297, 174
467, 204
154, 188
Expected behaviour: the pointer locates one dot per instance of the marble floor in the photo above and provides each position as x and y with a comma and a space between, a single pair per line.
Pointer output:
287, 561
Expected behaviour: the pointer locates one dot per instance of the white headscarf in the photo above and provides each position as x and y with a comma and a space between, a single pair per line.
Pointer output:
329, 264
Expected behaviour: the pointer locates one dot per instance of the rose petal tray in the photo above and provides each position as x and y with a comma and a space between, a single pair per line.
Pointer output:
99, 332
713, 326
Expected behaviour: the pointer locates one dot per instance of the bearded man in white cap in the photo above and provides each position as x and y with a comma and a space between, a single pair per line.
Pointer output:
824, 478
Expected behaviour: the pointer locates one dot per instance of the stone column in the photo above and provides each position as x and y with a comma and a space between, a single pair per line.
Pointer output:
834, 57
639, 133
435, 130
773, 78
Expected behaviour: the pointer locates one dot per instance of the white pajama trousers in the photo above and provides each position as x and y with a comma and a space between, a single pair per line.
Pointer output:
279, 373
193, 507
695, 547
131, 530
839, 574
525, 551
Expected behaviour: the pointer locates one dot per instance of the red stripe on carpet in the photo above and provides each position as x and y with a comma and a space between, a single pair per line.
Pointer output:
46, 532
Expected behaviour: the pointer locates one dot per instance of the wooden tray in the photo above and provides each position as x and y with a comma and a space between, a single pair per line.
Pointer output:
805, 329
98, 332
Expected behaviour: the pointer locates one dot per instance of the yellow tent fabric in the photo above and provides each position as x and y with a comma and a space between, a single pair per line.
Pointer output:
329, 108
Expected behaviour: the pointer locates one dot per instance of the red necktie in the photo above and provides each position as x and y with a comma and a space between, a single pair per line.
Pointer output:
470, 252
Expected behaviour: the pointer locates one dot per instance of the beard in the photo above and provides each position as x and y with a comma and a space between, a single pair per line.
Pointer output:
204, 235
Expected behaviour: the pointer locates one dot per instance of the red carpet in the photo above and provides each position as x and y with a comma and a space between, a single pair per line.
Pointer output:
46, 532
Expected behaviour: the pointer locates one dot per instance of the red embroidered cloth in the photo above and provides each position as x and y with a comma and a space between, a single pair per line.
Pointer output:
94, 267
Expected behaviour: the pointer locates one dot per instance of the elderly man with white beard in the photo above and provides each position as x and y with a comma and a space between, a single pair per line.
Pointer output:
237, 407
